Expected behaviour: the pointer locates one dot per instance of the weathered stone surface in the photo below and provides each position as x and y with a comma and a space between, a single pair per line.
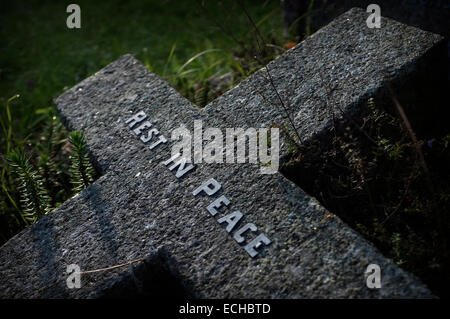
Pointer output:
138, 208
428, 15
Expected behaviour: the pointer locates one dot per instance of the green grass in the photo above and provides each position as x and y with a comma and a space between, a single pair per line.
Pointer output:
40, 56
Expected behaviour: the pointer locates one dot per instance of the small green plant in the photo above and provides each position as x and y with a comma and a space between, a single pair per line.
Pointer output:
34, 197
35, 187
396, 242
81, 170
53, 161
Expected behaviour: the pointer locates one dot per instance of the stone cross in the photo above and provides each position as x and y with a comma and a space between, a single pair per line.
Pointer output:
182, 217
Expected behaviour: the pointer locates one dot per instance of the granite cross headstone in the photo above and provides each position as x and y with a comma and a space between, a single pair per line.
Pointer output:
284, 245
